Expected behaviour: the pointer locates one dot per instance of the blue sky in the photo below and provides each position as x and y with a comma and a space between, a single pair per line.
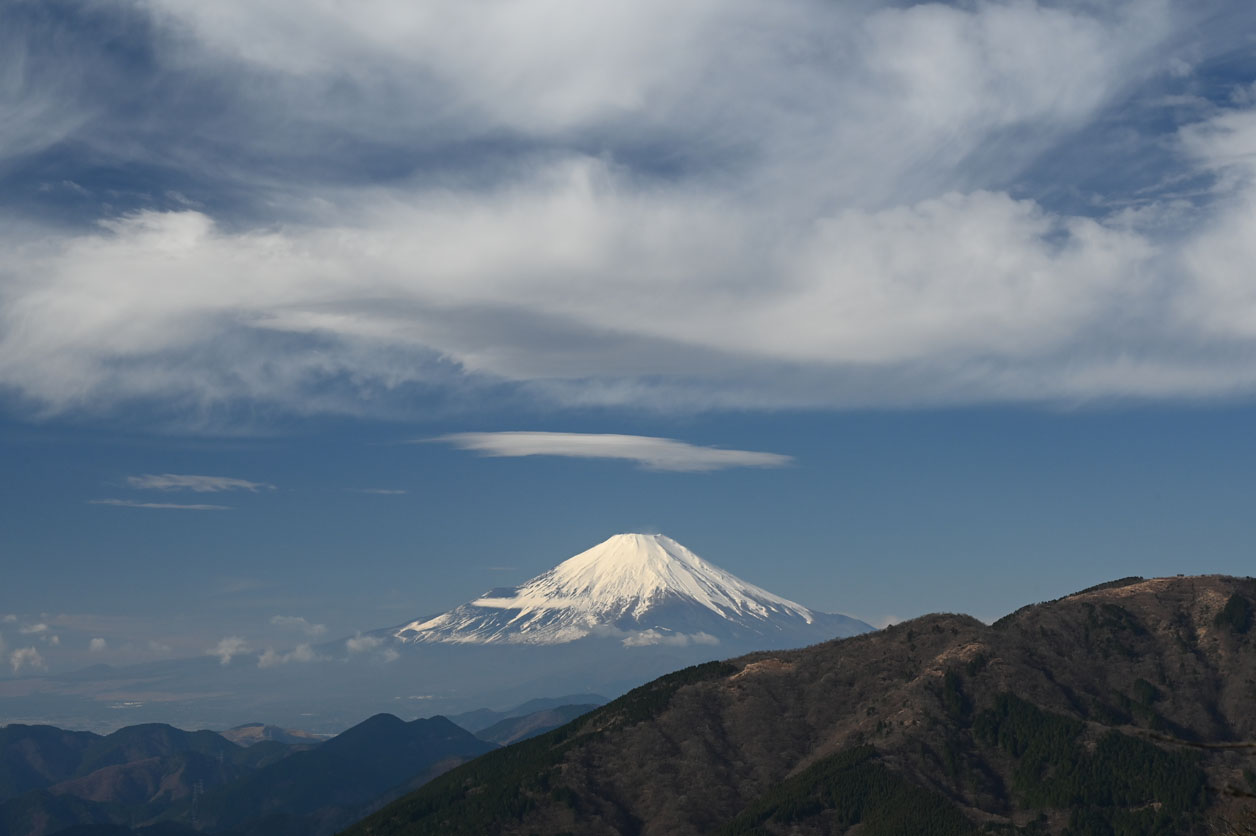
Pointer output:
942, 306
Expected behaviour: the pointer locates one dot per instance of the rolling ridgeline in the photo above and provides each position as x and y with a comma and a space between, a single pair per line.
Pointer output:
252, 780
1128, 708
178, 782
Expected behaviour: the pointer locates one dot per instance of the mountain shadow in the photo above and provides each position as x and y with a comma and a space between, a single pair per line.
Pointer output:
51, 779
481, 718
317, 791
514, 729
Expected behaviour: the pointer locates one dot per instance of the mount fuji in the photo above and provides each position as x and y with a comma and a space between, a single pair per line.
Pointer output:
642, 589
624, 612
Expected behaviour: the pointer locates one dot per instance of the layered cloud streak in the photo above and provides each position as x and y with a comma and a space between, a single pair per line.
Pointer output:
194, 483
650, 452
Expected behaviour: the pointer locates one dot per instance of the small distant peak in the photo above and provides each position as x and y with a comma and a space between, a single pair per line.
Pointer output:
381, 719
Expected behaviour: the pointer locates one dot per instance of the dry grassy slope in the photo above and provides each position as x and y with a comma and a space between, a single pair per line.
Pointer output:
1146, 658
1206, 671
147, 781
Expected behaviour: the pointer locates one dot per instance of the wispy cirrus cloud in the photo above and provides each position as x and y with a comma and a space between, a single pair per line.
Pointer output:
168, 506
648, 451
194, 483
298, 623
379, 491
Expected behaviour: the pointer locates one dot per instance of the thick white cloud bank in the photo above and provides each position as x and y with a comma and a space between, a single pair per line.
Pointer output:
845, 228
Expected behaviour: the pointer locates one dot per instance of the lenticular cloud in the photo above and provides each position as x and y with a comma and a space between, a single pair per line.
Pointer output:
650, 452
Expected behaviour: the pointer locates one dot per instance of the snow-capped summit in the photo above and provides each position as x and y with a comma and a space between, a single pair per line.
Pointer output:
631, 573
640, 588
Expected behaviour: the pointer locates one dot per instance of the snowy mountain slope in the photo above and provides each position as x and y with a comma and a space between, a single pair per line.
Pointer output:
643, 589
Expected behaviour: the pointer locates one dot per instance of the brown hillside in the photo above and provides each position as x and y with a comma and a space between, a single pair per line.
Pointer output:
1128, 707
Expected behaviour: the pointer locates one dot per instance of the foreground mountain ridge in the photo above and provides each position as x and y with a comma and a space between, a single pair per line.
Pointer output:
642, 588
1128, 708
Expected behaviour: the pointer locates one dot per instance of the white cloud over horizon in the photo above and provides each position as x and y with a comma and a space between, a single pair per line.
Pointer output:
228, 648
650, 452
848, 225
652, 637
26, 659
363, 644
301, 653
374, 645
